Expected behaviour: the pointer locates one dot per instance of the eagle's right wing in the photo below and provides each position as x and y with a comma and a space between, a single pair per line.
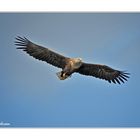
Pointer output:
103, 72
40, 52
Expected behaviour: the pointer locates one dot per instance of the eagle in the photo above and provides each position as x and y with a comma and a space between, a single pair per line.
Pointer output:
70, 65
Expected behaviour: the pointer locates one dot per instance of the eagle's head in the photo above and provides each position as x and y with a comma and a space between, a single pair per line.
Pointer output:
77, 62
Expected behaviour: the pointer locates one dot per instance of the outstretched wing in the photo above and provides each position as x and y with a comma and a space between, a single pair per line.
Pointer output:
40, 52
103, 72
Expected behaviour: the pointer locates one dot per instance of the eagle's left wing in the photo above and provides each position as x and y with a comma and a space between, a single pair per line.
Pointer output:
41, 53
103, 72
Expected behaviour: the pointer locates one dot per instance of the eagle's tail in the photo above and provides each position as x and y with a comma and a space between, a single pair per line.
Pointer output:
61, 75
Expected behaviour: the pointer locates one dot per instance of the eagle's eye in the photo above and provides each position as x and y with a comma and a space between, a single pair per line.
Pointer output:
79, 59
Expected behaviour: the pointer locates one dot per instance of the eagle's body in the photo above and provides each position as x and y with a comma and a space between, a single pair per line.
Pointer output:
71, 65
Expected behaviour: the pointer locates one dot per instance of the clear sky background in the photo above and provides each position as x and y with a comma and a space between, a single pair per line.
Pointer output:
31, 95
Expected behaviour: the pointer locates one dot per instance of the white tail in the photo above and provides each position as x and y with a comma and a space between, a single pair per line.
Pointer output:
60, 76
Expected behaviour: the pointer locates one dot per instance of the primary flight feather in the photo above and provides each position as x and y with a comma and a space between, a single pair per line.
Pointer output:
70, 65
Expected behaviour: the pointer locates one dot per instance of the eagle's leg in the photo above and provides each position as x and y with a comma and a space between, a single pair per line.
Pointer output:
65, 73
62, 75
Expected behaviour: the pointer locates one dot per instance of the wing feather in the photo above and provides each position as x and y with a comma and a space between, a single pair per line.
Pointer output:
40, 52
103, 72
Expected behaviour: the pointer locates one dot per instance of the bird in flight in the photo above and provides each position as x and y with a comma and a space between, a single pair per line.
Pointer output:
70, 65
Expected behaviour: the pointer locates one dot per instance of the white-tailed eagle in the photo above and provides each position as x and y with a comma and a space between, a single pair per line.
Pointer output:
70, 65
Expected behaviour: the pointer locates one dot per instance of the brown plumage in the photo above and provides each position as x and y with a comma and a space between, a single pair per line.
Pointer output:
70, 65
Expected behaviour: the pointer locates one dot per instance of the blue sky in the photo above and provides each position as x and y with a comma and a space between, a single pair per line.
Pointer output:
31, 95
